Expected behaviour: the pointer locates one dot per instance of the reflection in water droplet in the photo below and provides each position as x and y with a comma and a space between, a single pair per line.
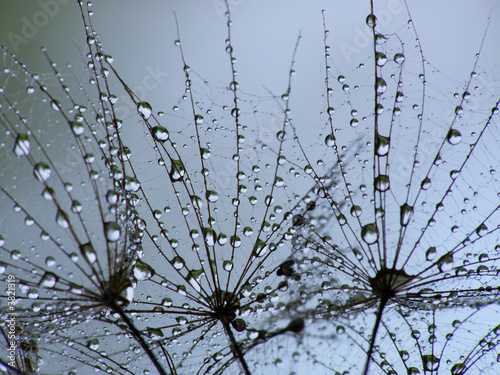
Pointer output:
177, 170
112, 231
382, 183
144, 108
369, 233
430, 254
454, 137
382, 145
48, 280
42, 171
431, 362
160, 133
380, 85
371, 21
406, 212
399, 58
22, 145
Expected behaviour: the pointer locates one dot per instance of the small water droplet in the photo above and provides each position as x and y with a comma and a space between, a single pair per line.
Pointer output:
42, 171
160, 133
454, 137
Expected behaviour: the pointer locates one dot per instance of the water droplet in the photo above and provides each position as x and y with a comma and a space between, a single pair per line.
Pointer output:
228, 265
406, 212
131, 184
198, 119
160, 133
177, 170
145, 110
426, 183
112, 231
88, 253
382, 145
382, 183
356, 211
178, 263
380, 58
239, 324
260, 248
371, 21
143, 271
458, 369
210, 236
48, 280
431, 362
454, 137
482, 230
445, 263
281, 136
62, 219
399, 58
380, 85
22, 145
212, 196
42, 171
369, 233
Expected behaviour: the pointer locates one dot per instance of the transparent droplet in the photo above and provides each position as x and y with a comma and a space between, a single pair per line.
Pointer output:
406, 212
228, 265
382, 145
88, 252
112, 231
431, 362
380, 58
380, 85
371, 21
145, 110
42, 171
48, 280
160, 133
177, 170
356, 211
399, 58
178, 263
143, 271
369, 233
482, 230
22, 145
382, 183
445, 264
62, 219
426, 183
454, 137
212, 196
210, 236
260, 248
198, 119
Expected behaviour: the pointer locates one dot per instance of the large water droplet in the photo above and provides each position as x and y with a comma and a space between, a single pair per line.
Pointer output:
144, 108
382, 183
399, 58
260, 248
160, 133
143, 271
62, 219
380, 58
369, 233
330, 140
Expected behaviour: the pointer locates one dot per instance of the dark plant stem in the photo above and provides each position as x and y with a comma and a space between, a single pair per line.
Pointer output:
236, 349
138, 336
383, 303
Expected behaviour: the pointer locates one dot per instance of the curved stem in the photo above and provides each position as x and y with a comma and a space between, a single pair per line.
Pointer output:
138, 336
236, 349
383, 302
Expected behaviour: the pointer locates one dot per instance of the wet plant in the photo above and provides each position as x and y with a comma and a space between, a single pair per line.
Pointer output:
419, 228
189, 241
